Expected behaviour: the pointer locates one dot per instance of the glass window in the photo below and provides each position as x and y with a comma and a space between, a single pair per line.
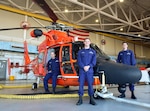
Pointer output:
66, 60
40, 57
65, 53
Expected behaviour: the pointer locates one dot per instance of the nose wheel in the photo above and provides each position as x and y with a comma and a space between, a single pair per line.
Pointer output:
102, 91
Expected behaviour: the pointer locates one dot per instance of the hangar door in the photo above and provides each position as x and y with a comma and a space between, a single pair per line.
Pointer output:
3, 66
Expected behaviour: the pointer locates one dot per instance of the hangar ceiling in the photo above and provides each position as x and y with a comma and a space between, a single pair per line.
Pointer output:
130, 16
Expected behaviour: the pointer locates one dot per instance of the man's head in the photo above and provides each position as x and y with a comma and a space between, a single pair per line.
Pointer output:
52, 55
125, 45
87, 42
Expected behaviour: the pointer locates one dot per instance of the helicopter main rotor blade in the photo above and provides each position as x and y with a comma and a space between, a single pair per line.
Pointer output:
47, 9
18, 28
117, 33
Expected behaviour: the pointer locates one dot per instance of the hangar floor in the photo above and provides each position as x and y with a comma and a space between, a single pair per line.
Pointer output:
63, 104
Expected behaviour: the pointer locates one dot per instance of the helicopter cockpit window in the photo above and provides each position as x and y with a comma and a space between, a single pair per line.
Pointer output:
40, 57
66, 60
55, 49
79, 45
99, 52
65, 54
75, 48
48, 54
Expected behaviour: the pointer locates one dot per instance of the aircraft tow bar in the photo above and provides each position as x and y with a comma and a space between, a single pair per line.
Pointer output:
103, 93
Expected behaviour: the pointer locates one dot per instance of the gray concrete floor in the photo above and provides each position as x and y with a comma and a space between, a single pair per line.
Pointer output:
69, 104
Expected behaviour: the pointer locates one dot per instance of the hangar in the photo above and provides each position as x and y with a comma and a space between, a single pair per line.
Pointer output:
107, 22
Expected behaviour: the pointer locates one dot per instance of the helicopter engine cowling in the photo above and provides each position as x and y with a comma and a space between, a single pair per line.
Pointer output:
116, 73
36, 33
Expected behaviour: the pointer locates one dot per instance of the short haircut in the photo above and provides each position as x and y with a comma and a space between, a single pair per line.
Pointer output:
87, 39
124, 42
53, 52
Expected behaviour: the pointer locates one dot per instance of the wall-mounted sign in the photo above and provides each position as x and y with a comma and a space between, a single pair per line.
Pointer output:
24, 25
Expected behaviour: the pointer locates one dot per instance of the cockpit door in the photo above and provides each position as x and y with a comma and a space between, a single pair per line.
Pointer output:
67, 67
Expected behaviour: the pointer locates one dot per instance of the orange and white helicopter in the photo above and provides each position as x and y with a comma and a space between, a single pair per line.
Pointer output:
66, 50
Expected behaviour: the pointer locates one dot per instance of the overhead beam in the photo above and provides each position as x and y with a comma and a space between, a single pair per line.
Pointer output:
106, 24
96, 10
108, 15
16, 4
73, 11
59, 10
91, 14
110, 8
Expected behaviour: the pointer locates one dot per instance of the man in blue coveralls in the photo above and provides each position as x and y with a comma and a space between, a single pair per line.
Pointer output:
126, 57
86, 61
53, 68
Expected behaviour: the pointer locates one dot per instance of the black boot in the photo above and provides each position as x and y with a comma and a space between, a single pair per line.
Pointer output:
47, 92
79, 101
122, 90
92, 100
132, 95
54, 91
122, 95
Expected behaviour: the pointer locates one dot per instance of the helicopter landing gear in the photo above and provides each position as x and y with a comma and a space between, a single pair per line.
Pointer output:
66, 87
102, 92
35, 85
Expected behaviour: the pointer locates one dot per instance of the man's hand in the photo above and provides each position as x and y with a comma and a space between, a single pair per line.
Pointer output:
49, 71
86, 68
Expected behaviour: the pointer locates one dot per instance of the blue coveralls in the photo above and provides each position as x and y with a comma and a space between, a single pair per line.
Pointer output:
86, 57
54, 67
127, 57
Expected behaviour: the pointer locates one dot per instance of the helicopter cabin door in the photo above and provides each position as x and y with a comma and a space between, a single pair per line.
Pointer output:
67, 67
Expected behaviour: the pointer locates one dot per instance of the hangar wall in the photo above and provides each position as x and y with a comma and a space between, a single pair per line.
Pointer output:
113, 46
13, 20
15, 57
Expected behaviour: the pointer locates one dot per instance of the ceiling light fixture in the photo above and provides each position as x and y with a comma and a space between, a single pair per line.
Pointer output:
121, 0
139, 35
96, 20
121, 29
66, 10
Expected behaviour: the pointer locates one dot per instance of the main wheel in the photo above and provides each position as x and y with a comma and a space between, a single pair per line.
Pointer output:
34, 86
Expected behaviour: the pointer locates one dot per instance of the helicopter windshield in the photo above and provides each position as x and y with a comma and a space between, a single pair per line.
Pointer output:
99, 52
79, 45
40, 57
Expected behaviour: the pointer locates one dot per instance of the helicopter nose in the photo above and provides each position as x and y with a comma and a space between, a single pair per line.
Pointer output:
36, 33
117, 73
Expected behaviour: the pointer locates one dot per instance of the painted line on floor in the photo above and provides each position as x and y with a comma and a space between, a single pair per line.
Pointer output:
22, 86
41, 96
15, 86
130, 101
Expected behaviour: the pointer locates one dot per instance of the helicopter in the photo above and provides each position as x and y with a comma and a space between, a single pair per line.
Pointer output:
66, 48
